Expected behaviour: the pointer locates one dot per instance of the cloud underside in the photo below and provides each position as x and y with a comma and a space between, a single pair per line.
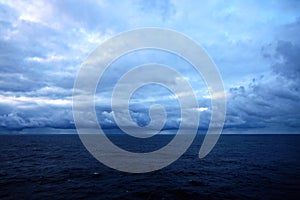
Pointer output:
43, 43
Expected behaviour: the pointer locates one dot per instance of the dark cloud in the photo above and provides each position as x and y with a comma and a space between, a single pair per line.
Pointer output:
161, 8
36, 117
287, 53
273, 100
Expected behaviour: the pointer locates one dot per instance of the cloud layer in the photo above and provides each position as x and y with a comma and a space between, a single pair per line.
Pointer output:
255, 45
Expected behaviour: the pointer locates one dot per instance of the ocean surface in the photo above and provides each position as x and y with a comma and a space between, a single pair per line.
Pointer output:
239, 167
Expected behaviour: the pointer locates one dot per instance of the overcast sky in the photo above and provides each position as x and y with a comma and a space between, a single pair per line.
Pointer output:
255, 45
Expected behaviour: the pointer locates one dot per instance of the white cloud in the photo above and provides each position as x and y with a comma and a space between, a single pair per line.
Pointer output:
23, 100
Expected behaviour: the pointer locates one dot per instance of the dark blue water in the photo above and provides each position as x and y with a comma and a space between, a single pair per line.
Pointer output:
239, 167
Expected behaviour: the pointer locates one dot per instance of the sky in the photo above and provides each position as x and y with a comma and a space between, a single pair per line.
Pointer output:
255, 45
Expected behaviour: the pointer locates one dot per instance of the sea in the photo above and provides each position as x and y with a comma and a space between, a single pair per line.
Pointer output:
241, 166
